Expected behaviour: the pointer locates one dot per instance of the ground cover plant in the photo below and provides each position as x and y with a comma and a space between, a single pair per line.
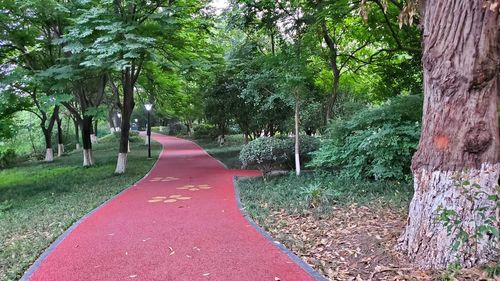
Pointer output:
346, 229
38, 201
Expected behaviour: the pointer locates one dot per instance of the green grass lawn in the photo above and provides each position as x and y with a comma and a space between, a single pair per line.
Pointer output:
228, 153
318, 192
39, 201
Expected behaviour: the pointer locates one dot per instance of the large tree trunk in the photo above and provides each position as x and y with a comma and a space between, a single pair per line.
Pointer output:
87, 141
127, 108
460, 136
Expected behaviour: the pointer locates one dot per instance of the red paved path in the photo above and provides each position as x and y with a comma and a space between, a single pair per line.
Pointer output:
203, 237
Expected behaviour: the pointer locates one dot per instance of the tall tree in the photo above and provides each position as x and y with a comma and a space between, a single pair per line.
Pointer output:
29, 29
460, 135
127, 35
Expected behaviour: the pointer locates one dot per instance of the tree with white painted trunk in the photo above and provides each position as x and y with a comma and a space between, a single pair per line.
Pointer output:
88, 93
121, 37
60, 142
460, 134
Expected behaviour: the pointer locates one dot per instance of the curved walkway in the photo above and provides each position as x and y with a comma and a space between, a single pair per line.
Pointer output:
181, 222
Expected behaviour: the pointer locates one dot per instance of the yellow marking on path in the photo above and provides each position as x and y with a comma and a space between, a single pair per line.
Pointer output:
184, 198
154, 200
175, 196
194, 189
170, 201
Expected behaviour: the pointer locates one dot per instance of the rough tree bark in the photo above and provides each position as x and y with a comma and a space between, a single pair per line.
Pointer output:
459, 130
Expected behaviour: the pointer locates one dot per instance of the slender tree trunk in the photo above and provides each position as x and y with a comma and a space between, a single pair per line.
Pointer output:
49, 152
93, 134
460, 135
127, 108
111, 122
335, 71
77, 133
332, 100
297, 143
47, 133
88, 159
246, 137
60, 143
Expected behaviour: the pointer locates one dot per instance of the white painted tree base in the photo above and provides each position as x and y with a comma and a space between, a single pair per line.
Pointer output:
426, 240
49, 155
77, 146
60, 149
121, 163
88, 160
297, 164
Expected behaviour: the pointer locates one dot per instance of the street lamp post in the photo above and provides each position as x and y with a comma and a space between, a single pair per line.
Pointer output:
148, 107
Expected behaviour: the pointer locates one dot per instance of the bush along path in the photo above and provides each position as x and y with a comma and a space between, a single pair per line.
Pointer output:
181, 222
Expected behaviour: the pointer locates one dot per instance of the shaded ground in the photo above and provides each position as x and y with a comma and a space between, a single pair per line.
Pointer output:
347, 240
342, 237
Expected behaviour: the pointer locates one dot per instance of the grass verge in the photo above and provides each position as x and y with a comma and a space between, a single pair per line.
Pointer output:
39, 201
228, 153
317, 193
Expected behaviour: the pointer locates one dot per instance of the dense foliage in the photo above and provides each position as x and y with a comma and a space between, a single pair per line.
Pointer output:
375, 142
266, 153
209, 73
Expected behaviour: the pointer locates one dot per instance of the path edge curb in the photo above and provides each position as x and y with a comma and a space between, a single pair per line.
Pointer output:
296, 259
36, 264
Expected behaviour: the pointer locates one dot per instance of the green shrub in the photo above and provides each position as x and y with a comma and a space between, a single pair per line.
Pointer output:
205, 131
374, 143
176, 129
307, 145
159, 129
267, 153
7, 157
264, 154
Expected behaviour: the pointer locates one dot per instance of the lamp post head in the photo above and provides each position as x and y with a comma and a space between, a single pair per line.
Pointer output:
148, 106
